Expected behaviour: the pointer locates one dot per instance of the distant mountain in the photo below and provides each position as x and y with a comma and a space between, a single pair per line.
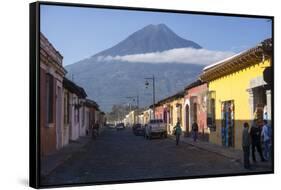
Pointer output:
151, 38
110, 82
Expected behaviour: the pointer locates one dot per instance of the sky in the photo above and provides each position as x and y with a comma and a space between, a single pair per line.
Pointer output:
79, 33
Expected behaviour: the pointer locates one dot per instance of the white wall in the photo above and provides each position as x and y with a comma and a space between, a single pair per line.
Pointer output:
65, 128
82, 126
74, 127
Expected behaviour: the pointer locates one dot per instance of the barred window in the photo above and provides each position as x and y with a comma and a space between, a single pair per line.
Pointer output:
66, 108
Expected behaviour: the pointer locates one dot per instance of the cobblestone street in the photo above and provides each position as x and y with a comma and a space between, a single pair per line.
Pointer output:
120, 155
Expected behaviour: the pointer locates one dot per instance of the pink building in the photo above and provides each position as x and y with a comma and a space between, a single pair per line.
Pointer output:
159, 111
195, 108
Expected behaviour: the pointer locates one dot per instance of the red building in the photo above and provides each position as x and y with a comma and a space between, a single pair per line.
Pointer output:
51, 96
196, 108
159, 111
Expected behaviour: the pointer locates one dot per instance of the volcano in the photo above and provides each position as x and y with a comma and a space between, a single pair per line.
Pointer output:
109, 82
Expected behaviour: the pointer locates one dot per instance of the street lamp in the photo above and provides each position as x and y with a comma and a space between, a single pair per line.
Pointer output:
153, 90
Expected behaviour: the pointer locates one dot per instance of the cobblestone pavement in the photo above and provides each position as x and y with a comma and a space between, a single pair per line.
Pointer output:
120, 155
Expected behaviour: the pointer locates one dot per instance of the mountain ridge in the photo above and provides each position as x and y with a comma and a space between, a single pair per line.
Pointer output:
108, 82
150, 38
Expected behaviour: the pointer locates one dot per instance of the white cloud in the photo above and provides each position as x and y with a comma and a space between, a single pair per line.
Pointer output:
180, 55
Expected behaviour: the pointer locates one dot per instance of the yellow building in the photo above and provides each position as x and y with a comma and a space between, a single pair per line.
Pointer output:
173, 110
239, 90
147, 115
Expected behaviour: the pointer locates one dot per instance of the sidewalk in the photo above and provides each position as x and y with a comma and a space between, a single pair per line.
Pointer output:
234, 154
51, 162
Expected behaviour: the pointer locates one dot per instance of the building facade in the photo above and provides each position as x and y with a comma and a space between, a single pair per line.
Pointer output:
147, 115
159, 111
239, 91
195, 108
91, 109
171, 110
51, 97
75, 116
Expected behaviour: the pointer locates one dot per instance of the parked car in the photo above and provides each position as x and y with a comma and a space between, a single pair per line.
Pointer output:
111, 126
120, 126
138, 129
155, 127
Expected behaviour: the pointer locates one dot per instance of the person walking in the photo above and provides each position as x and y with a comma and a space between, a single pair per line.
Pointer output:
178, 132
266, 139
255, 134
194, 131
97, 127
246, 145
94, 131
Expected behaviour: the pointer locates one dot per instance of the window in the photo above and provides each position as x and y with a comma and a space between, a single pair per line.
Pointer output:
179, 113
66, 108
195, 112
171, 115
49, 98
83, 116
76, 110
211, 110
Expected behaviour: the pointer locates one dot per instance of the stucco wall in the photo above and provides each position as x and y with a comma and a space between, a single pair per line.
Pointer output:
47, 131
234, 87
197, 95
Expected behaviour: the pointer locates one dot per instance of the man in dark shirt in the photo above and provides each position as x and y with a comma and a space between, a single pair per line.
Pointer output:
255, 134
246, 145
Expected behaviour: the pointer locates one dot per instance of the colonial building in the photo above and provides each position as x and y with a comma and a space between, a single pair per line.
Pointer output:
131, 118
51, 97
147, 115
102, 119
91, 109
74, 116
159, 111
239, 90
195, 108
170, 110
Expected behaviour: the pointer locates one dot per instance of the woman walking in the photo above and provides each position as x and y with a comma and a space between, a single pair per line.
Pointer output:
194, 131
178, 132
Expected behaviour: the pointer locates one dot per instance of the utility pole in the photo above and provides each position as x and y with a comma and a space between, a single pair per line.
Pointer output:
153, 91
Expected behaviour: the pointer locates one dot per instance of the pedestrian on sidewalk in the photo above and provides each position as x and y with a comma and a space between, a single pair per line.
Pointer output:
94, 130
246, 145
97, 127
178, 132
266, 139
255, 134
194, 131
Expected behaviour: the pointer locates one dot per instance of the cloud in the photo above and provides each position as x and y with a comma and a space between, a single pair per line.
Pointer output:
180, 55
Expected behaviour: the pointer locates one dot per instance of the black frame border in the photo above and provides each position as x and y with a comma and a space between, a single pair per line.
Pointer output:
34, 91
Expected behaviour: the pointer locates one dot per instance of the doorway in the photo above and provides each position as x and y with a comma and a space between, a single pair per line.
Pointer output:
187, 118
227, 127
59, 117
